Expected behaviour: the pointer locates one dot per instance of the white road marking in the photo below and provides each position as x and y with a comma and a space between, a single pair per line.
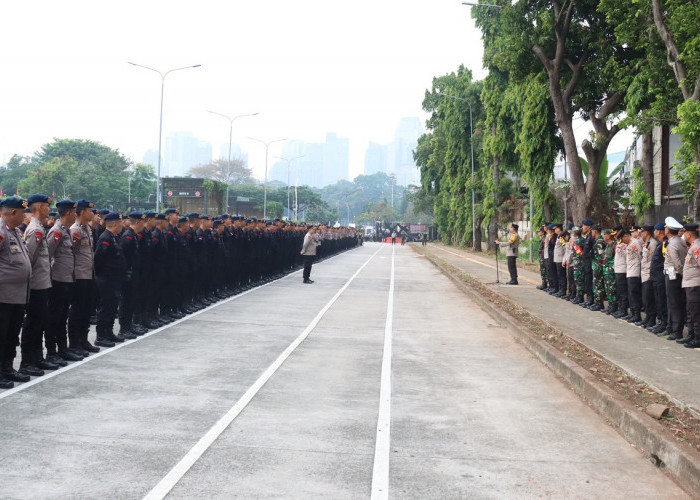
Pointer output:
107, 350
380, 470
168, 482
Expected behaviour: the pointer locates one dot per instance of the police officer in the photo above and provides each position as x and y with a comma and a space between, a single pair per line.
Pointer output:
110, 272
648, 249
14, 287
33, 362
60, 243
633, 246
587, 262
511, 247
676, 252
157, 310
129, 246
658, 279
83, 289
691, 285
598, 269
185, 266
621, 274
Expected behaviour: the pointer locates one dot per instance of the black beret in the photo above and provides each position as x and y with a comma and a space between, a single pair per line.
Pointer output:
66, 204
83, 204
112, 216
14, 202
38, 198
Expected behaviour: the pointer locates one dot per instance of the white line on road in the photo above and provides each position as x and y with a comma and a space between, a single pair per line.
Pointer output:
104, 351
176, 473
380, 470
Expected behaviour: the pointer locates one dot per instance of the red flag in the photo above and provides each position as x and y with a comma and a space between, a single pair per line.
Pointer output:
17, 191
53, 193
1, 193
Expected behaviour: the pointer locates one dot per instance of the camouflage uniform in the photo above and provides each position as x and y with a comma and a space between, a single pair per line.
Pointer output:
598, 270
609, 275
577, 264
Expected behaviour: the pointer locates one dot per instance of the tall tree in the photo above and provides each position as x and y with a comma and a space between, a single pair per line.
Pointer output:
232, 173
587, 73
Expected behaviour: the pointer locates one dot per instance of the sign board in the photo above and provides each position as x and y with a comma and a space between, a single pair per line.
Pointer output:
417, 228
242, 198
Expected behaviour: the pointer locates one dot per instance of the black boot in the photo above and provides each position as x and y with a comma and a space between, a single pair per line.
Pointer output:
597, 306
620, 313
636, 317
28, 366
9, 373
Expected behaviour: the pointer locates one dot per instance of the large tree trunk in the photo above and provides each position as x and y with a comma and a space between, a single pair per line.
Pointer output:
694, 203
647, 166
476, 242
493, 223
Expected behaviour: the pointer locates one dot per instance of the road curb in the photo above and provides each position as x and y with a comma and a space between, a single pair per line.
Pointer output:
683, 463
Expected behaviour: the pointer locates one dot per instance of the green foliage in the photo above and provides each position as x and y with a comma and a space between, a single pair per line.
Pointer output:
688, 172
641, 200
537, 147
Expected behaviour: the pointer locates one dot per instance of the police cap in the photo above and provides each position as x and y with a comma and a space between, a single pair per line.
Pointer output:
38, 198
149, 214
170, 210
205, 216
648, 229
182, 219
66, 204
83, 204
587, 222
660, 226
691, 227
137, 215
14, 202
160, 216
672, 223
112, 216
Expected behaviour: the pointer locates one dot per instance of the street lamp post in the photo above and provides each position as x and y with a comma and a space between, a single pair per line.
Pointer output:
289, 162
230, 139
267, 147
160, 128
471, 147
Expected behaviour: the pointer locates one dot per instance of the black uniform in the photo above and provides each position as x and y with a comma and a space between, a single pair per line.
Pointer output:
110, 272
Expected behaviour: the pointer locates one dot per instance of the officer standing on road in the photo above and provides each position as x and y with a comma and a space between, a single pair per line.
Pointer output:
308, 253
676, 252
14, 288
130, 249
60, 245
33, 362
83, 289
511, 247
691, 285
110, 272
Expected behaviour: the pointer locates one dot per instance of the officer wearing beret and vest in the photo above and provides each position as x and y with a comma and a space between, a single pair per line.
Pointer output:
676, 252
83, 289
144, 287
14, 287
110, 273
170, 298
185, 266
157, 310
691, 285
130, 248
658, 279
60, 243
33, 362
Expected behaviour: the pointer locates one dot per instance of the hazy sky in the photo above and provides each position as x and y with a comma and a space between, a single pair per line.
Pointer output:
307, 66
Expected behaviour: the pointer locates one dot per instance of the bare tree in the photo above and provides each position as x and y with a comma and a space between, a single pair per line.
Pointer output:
232, 173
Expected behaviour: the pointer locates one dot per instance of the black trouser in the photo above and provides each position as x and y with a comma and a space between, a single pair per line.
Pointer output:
660, 298
126, 307
11, 316
80, 310
622, 293
512, 268
692, 298
648, 298
675, 297
35, 325
561, 277
308, 260
588, 279
60, 296
634, 291
552, 272
110, 290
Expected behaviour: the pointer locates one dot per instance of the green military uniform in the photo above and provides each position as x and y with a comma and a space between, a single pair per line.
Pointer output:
609, 279
598, 265
577, 266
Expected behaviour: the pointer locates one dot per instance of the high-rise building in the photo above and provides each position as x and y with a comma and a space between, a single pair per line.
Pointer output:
320, 164
397, 157
182, 152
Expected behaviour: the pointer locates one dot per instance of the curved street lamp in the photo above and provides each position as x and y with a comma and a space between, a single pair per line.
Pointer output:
230, 139
160, 129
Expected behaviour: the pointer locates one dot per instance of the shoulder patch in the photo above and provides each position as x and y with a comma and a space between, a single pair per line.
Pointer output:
38, 236
56, 237
106, 243
130, 238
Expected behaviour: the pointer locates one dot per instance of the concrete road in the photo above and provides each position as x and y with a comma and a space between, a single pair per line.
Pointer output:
314, 391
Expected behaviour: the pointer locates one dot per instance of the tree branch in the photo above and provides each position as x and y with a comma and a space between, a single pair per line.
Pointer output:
546, 61
672, 52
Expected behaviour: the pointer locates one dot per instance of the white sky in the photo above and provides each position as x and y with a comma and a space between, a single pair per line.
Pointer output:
307, 66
